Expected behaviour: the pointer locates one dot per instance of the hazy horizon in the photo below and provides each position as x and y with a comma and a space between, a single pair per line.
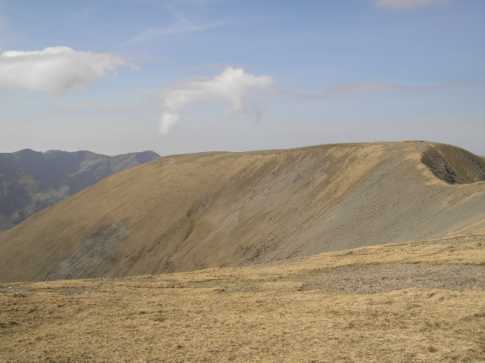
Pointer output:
233, 150
205, 75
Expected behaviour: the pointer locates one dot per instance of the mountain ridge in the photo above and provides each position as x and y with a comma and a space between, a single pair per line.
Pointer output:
189, 212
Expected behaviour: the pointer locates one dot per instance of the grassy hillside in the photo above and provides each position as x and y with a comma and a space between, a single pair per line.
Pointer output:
412, 302
226, 209
31, 181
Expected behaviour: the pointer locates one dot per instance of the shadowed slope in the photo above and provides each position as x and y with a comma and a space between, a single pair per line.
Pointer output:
31, 181
454, 165
192, 211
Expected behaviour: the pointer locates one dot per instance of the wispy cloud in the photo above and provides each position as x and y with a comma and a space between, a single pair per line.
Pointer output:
4, 33
407, 4
3, 23
233, 86
349, 89
381, 87
181, 25
54, 69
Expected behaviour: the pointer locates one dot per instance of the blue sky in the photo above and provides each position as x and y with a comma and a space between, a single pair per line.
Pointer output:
239, 75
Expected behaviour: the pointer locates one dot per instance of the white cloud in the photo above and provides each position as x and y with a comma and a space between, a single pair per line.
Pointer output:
181, 26
406, 4
233, 87
54, 69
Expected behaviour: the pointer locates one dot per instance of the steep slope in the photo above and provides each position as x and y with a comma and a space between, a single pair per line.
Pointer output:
31, 181
215, 209
454, 165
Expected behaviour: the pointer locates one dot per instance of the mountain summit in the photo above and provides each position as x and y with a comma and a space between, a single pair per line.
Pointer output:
226, 209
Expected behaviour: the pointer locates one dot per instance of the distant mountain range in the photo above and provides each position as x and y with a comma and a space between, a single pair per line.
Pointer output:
31, 180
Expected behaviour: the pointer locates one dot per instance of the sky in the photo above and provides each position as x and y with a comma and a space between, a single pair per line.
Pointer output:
117, 76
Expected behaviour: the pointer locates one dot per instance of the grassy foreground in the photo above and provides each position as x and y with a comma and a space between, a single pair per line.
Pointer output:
420, 301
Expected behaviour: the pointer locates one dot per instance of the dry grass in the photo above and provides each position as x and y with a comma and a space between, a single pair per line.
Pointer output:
189, 212
272, 313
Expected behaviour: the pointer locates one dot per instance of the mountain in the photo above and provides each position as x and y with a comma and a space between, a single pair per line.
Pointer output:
188, 212
31, 181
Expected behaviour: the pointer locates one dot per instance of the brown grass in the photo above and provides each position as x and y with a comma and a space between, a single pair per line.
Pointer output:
189, 212
283, 312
